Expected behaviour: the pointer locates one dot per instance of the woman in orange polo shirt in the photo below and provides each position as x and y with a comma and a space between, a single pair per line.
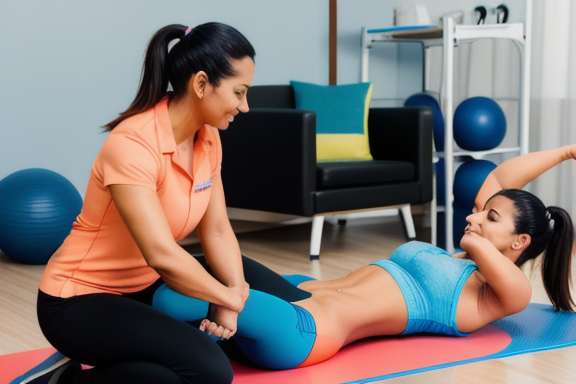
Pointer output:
155, 180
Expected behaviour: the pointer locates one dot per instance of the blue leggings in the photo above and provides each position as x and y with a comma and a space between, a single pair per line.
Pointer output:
271, 332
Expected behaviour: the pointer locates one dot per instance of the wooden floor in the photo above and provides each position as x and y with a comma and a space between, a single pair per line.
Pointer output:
285, 250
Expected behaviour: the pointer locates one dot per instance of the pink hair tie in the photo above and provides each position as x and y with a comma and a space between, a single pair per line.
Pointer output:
188, 30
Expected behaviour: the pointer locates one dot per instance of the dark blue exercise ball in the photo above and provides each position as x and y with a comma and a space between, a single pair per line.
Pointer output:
37, 209
468, 180
425, 99
479, 124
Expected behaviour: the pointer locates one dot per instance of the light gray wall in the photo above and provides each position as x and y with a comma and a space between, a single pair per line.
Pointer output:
69, 66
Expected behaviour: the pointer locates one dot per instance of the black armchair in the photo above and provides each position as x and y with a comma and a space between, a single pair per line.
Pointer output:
269, 162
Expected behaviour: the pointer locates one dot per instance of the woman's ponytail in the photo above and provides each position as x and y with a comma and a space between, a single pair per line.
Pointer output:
154, 81
557, 259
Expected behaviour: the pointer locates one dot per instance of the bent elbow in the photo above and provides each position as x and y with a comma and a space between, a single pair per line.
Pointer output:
519, 301
159, 258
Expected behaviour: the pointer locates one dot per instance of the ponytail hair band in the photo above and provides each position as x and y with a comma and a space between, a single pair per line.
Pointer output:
550, 219
188, 30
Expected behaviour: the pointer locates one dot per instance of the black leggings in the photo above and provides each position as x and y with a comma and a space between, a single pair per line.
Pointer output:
127, 341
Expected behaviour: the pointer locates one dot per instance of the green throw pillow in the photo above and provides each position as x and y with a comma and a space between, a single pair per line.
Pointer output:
341, 118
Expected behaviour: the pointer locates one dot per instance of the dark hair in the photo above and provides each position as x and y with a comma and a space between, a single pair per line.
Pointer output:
552, 234
208, 47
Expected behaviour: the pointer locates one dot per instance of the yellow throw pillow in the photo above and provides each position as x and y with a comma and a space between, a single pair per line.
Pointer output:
341, 118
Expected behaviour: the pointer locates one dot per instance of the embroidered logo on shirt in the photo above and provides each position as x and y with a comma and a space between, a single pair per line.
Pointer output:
202, 186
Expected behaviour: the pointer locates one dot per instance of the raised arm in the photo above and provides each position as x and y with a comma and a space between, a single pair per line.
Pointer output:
519, 171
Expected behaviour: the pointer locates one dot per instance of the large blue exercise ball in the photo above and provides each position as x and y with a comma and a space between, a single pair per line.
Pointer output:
468, 180
425, 99
479, 124
37, 209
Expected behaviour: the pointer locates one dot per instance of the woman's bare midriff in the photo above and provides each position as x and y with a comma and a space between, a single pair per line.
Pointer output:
364, 303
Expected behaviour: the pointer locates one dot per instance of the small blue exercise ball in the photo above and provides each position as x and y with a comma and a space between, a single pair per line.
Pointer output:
479, 124
468, 179
425, 99
37, 209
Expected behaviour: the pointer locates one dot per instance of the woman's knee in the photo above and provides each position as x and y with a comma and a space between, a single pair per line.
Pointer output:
196, 357
218, 371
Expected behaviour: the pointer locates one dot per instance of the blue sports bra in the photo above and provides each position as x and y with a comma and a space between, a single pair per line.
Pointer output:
431, 281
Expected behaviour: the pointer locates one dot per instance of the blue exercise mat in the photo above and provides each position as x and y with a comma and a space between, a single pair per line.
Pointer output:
538, 328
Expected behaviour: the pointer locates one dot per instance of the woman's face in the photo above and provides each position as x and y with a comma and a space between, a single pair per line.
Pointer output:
495, 223
223, 103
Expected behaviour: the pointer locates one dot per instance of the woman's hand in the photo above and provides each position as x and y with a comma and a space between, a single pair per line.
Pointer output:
222, 321
471, 242
238, 295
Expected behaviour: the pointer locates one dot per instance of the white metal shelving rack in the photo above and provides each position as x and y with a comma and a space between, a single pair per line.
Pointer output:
452, 36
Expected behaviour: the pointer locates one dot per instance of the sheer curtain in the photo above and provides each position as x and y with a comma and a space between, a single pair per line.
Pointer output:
553, 96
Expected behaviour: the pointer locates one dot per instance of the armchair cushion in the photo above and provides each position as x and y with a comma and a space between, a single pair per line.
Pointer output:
353, 173
341, 118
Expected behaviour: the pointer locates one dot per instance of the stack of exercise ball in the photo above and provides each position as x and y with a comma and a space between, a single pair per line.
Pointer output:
37, 209
479, 124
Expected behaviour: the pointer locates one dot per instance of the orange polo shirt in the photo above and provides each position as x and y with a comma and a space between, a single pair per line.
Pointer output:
100, 255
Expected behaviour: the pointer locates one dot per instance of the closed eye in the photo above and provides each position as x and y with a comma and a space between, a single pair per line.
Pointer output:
493, 215
242, 92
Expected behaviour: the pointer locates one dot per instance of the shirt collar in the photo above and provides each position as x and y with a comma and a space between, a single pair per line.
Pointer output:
165, 133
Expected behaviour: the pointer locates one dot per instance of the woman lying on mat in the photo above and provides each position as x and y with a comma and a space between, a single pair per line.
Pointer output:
155, 180
420, 289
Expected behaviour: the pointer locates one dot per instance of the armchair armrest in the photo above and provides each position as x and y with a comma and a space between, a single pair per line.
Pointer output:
277, 171
404, 134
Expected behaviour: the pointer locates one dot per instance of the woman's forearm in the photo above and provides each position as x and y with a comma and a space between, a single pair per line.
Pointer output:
184, 274
519, 171
224, 258
219, 242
